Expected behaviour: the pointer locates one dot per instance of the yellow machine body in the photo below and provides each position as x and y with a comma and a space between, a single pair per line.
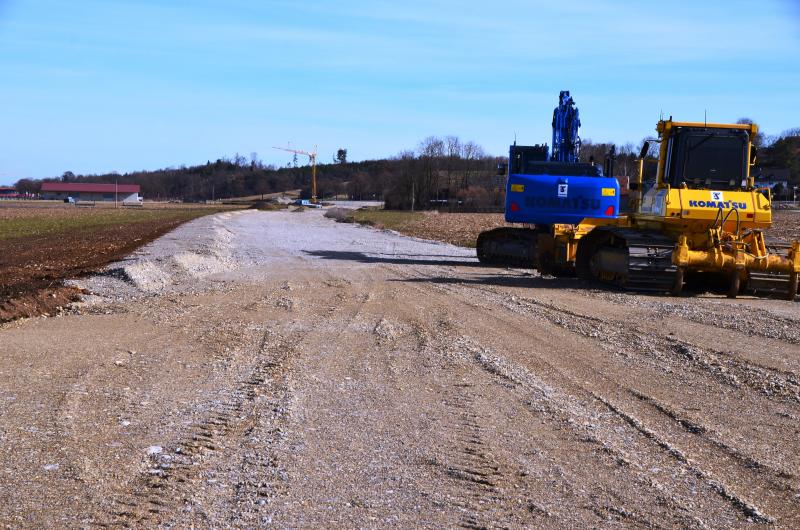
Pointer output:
714, 230
683, 209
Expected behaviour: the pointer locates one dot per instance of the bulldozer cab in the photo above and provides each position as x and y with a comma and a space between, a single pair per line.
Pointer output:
707, 159
700, 156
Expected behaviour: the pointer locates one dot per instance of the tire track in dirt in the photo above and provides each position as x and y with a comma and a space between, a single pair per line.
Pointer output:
496, 365
238, 433
169, 479
511, 498
468, 462
256, 468
478, 477
321, 303
760, 323
731, 457
80, 411
618, 338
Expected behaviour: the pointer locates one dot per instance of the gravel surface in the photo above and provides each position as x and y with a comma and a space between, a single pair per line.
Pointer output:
260, 369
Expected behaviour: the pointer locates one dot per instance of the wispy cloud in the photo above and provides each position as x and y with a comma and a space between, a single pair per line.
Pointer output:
205, 77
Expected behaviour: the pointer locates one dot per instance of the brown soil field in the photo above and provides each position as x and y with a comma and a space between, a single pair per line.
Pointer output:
463, 228
41, 246
456, 228
460, 229
786, 225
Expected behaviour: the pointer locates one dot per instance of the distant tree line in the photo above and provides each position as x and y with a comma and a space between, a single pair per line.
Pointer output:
440, 172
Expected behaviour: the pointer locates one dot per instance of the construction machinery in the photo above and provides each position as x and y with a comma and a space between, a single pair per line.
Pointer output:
312, 159
702, 223
555, 198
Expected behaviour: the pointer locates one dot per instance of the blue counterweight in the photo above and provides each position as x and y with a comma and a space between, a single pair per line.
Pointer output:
567, 197
546, 188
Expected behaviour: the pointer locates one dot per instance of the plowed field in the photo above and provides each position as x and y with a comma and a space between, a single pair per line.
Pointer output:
42, 246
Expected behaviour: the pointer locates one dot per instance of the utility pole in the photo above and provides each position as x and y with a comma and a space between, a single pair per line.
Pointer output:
312, 158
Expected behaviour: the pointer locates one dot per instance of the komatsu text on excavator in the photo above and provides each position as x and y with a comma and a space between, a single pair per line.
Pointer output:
701, 223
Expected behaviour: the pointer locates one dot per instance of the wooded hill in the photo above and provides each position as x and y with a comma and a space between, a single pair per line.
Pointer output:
440, 172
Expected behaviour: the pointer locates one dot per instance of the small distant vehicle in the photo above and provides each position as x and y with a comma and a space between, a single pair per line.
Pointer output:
69, 200
307, 203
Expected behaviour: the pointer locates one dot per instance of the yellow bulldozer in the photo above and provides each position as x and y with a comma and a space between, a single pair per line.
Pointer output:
704, 218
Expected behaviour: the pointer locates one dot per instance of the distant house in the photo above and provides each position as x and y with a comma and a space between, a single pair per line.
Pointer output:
768, 177
81, 191
7, 192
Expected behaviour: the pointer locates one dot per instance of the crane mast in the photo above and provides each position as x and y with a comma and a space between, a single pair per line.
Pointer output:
312, 158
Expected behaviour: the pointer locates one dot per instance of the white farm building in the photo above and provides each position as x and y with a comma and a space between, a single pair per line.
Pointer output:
91, 192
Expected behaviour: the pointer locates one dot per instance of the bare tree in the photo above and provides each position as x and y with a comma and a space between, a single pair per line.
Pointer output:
759, 140
471, 153
431, 152
453, 153
28, 186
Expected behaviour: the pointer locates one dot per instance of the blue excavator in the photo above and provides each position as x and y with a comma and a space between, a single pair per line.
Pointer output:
554, 196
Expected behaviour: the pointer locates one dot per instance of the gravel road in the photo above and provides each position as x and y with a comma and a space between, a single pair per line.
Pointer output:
278, 369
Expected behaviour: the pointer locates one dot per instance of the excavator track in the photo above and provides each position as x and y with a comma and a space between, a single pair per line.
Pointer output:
508, 246
634, 260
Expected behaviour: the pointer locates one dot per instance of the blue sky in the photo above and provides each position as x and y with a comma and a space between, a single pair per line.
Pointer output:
98, 86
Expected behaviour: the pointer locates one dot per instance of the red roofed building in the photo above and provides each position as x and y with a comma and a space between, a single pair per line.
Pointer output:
83, 191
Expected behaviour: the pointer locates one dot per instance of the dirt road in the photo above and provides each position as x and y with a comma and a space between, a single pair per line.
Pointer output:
260, 369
